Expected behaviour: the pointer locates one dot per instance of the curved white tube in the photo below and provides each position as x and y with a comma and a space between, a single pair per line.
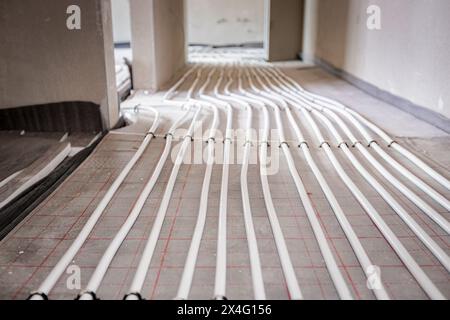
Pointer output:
427, 209
189, 266
221, 259
102, 267
363, 258
48, 284
330, 262
169, 94
149, 249
391, 161
421, 164
390, 142
144, 263
281, 91
409, 262
255, 261
437, 251
413, 178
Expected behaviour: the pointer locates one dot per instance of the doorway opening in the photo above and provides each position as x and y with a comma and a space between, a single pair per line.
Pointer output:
227, 27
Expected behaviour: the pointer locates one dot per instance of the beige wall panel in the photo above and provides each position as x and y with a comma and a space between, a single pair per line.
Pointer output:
408, 57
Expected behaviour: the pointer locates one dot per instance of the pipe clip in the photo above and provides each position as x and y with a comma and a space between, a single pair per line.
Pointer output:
228, 139
356, 143
169, 134
136, 294
264, 142
303, 143
189, 136
211, 139
343, 142
220, 297
325, 142
391, 143
248, 142
36, 293
91, 293
151, 134
370, 143
282, 143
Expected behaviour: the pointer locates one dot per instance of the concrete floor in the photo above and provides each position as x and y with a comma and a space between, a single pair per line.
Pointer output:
33, 247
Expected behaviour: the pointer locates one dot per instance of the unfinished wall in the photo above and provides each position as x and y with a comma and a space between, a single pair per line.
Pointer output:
286, 29
408, 57
121, 21
158, 44
309, 30
41, 61
225, 22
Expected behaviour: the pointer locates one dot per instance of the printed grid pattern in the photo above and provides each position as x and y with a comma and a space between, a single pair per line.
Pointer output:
34, 247
28, 254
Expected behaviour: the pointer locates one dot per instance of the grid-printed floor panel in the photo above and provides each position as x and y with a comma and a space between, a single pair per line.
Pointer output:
30, 251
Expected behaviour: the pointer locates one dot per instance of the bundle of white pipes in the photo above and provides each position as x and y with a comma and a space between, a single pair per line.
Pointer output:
263, 89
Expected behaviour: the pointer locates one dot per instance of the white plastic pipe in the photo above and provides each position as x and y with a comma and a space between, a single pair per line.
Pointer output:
102, 267
425, 207
432, 213
171, 92
390, 142
286, 263
189, 266
421, 277
144, 263
48, 284
363, 258
221, 259
330, 261
255, 261
437, 251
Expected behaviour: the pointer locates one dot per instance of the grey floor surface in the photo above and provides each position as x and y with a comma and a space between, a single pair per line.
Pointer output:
33, 247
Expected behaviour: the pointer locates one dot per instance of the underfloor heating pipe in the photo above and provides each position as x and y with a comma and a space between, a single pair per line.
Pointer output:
421, 277
407, 192
89, 293
221, 257
303, 147
144, 263
335, 273
255, 264
191, 259
255, 260
220, 282
50, 281
391, 161
134, 293
437, 251
389, 141
286, 263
